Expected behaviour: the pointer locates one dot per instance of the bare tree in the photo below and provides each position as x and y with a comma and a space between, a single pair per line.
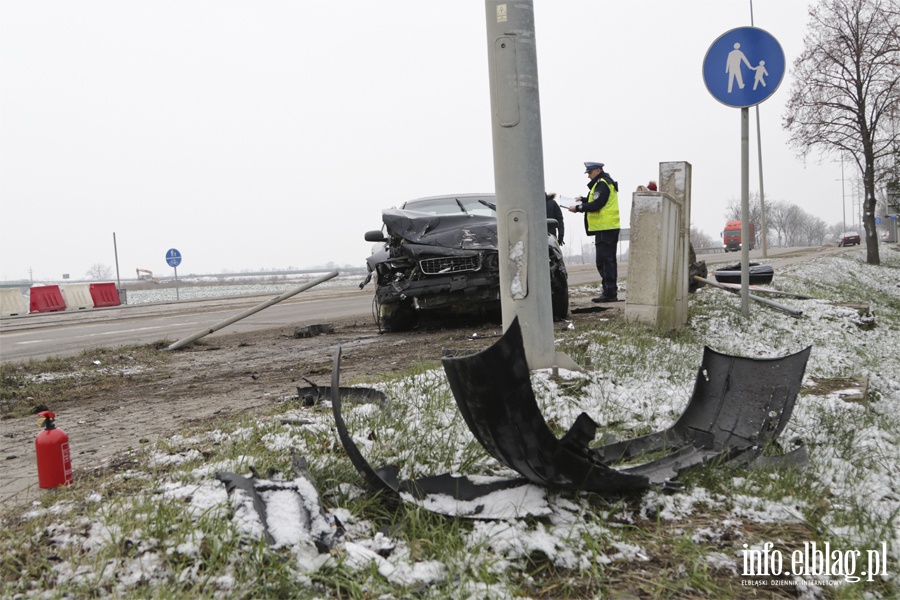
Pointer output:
733, 209
846, 90
99, 272
794, 226
568, 254
775, 220
792, 221
835, 231
588, 251
700, 239
814, 230
733, 212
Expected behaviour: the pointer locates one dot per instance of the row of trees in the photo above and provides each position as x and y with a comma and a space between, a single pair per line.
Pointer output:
845, 96
787, 223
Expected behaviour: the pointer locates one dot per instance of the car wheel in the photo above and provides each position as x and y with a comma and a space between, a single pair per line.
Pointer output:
559, 295
396, 316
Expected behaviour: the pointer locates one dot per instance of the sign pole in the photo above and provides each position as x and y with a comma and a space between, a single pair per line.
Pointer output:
173, 258
745, 212
742, 68
116, 252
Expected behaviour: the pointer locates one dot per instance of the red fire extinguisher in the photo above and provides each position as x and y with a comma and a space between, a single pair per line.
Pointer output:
53, 460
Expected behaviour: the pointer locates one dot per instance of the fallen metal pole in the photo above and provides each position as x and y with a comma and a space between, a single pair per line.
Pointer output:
773, 292
791, 311
196, 336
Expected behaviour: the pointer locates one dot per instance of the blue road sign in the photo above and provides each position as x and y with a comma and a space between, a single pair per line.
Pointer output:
743, 67
173, 257
878, 220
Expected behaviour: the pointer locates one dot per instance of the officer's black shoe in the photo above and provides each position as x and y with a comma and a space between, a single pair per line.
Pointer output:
605, 299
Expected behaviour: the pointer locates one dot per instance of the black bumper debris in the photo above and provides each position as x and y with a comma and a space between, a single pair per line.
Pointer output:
738, 408
739, 405
386, 479
314, 394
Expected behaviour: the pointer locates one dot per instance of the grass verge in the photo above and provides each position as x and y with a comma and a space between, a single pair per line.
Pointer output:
157, 523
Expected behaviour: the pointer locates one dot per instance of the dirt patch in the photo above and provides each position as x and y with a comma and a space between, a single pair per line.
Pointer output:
848, 389
231, 374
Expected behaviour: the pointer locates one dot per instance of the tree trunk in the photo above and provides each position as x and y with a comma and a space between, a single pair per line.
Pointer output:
872, 250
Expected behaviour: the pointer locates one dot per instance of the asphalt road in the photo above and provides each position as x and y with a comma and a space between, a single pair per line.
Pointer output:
66, 333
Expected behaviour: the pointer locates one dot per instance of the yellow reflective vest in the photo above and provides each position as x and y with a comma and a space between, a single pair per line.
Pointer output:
608, 216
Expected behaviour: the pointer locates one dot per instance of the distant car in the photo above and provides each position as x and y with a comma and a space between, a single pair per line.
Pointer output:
438, 255
849, 238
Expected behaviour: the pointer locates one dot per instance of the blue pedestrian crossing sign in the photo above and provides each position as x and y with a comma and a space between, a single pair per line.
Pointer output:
743, 67
173, 257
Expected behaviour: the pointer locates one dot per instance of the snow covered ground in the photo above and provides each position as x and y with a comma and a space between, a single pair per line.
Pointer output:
185, 535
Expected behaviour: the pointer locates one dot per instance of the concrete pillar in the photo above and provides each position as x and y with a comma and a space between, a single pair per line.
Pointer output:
659, 251
675, 178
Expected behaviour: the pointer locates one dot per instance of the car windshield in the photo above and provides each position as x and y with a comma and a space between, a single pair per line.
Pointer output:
452, 205
850, 234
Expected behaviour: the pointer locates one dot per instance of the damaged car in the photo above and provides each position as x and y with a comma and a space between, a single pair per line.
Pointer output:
439, 256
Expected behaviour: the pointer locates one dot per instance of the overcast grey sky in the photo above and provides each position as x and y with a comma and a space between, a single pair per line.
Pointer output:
271, 134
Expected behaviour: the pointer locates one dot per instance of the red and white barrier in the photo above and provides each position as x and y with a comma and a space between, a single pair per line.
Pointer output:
77, 296
53, 298
46, 298
12, 303
105, 294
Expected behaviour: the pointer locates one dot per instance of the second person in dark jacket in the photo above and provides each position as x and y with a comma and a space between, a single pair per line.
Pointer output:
555, 212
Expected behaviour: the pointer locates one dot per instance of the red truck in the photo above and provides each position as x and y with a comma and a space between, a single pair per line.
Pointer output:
731, 236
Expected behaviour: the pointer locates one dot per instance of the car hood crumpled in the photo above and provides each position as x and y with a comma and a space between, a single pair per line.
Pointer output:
452, 232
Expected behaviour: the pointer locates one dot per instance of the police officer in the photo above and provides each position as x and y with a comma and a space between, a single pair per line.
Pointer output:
601, 220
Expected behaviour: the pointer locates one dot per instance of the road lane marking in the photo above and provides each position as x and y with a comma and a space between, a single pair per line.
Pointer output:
118, 331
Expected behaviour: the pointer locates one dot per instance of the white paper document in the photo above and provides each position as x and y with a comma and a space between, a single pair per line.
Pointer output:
566, 202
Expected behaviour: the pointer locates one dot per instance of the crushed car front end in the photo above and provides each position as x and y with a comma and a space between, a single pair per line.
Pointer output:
439, 255
446, 263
